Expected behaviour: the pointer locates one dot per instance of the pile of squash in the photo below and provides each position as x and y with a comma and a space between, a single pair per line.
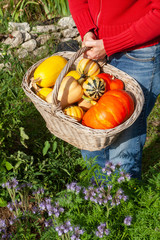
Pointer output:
94, 98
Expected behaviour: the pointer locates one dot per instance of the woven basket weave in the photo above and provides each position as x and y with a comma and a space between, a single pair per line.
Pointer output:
68, 129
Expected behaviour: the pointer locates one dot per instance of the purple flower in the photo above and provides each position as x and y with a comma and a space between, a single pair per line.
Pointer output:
121, 179
14, 183
64, 228
48, 223
35, 209
10, 206
74, 187
42, 206
102, 230
127, 220
77, 233
106, 231
10, 184
11, 222
2, 224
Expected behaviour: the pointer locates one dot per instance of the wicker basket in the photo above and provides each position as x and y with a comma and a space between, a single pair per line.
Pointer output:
68, 129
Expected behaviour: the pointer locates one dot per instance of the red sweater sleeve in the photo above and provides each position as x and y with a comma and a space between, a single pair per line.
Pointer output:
81, 15
142, 31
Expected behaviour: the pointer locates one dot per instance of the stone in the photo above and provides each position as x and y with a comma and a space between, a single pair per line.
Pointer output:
40, 50
22, 53
1, 66
42, 39
29, 45
15, 39
70, 33
44, 29
12, 26
26, 36
66, 22
57, 35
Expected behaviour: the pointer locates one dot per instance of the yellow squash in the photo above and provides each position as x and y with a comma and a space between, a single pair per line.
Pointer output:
47, 72
43, 92
74, 74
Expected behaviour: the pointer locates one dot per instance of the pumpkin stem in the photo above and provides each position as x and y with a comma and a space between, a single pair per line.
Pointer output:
81, 79
34, 85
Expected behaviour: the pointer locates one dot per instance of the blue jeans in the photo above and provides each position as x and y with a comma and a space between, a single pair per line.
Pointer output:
143, 65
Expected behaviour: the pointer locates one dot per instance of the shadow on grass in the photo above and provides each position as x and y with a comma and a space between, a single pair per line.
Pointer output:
151, 155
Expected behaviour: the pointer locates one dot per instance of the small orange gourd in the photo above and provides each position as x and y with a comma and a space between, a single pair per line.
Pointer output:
75, 112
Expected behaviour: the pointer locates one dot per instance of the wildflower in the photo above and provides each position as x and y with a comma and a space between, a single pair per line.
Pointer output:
77, 233
127, 220
48, 223
10, 184
102, 230
42, 206
64, 228
109, 168
2, 225
121, 179
74, 187
35, 209
10, 206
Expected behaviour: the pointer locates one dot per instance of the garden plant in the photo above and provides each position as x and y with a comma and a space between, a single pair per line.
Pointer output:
47, 191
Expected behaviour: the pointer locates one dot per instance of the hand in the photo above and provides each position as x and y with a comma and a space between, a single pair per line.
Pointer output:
87, 37
97, 50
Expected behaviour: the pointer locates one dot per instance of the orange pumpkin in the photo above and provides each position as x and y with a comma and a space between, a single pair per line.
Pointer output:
112, 109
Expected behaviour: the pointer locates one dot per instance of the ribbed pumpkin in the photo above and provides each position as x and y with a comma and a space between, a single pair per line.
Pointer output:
75, 112
87, 68
48, 71
94, 87
113, 108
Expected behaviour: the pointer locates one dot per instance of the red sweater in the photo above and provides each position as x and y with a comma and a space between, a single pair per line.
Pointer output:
122, 24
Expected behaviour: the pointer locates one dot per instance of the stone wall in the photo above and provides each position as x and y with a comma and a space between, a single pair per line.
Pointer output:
26, 39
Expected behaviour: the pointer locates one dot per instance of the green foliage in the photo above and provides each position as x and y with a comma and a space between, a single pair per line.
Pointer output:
37, 10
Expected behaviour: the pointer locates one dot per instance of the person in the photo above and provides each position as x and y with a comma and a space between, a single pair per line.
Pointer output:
128, 33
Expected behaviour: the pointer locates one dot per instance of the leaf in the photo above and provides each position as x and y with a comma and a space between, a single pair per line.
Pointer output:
23, 136
3, 203
46, 148
54, 146
1, 12
9, 166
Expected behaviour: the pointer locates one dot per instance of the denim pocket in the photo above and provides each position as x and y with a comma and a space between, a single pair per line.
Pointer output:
141, 55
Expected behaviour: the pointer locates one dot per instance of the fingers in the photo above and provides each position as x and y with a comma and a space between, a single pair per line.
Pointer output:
97, 50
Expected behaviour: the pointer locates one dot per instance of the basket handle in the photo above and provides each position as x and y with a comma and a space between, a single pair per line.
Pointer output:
55, 102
